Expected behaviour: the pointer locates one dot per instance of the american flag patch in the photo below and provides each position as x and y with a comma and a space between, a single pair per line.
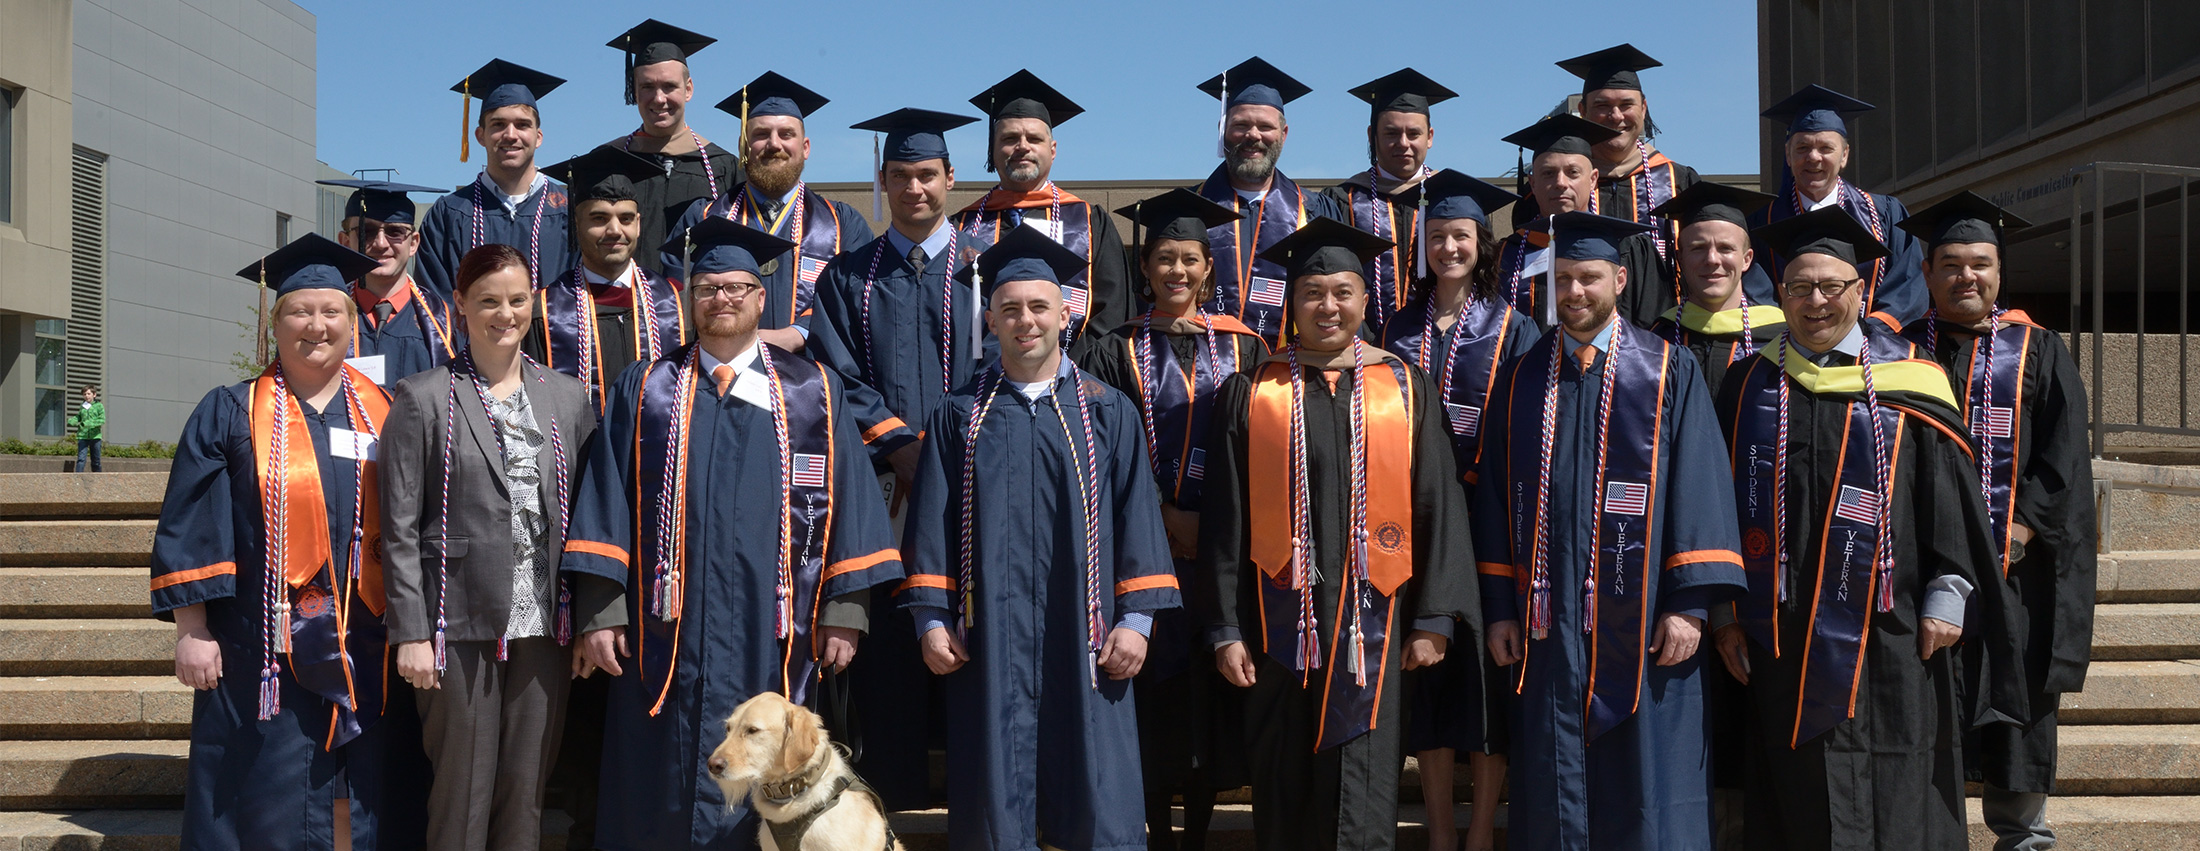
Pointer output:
809, 471
1857, 504
1626, 498
2000, 422
1465, 419
1076, 299
812, 267
1268, 291
1195, 464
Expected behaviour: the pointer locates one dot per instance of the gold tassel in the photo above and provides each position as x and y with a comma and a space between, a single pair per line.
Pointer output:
465, 119
744, 129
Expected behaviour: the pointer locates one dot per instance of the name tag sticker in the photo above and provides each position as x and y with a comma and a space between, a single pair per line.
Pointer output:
1050, 227
370, 366
353, 445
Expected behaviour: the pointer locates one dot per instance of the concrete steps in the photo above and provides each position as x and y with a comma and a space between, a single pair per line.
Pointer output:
2144, 631
2147, 823
74, 592
75, 543
2137, 759
91, 774
94, 708
2136, 693
86, 647
2163, 576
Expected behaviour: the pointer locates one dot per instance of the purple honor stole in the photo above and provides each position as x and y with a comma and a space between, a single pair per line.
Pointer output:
1247, 287
1647, 189
1176, 405
1841, 603
1993, 407
569, 327
341, 662
1076, 236
1618, 592
817, 241
1463, 363
802, 425
1390, 273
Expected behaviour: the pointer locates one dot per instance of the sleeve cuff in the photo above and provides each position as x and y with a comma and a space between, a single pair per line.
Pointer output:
1437, 624
929, 618
1944, 599
1224, 634
1138, 622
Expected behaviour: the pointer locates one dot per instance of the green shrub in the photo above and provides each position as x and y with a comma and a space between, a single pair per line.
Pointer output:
148, 449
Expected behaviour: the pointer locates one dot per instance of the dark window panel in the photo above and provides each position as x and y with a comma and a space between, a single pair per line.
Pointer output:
2174, 26
2115, 48
1810, 41
2058, 81
1838, 19
1955, 79
2002, 54
1912, 37
1872, 161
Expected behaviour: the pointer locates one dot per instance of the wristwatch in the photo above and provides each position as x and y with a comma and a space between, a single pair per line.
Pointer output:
2016, 551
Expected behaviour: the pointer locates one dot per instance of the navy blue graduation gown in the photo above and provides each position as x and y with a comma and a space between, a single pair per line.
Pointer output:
656, 786
1649, 290
1898, 294
1646, 782
1237, 247
419, 337
833, 228
888, 347
1035, 751
448, 232
272, 784
686, 178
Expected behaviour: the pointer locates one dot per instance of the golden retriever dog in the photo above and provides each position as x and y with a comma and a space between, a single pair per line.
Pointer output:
778, 756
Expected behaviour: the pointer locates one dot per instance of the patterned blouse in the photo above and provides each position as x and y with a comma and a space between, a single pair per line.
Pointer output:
531, 579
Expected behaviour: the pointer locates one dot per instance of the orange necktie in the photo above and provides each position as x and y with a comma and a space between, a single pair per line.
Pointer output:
724, 374
1586, 356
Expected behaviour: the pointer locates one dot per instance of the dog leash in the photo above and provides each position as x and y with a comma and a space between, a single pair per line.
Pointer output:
837, 696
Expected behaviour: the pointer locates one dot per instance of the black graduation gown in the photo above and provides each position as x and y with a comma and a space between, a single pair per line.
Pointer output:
272, 784
1715, 353
540, 228
1035, 751
1345, 796
1188, 715
785, 302
1394, 216
656, 786
1891, 776
1459, 703
419, 337
1635, 194
2055, 580
615, 333
1108, 282
663, 198
1639, 305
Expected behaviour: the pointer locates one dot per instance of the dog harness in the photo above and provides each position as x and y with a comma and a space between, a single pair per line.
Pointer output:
788, 834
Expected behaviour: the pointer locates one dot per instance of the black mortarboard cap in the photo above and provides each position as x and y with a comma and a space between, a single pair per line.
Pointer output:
1254, 81
1178, 214
500, 84
1024, 254
1815, 108
914, 135
1565, 133
1587, 236
309, 262
653, 41
603, 174
1707, 201
772, 94
1965, 218
1024, 95
379, 200
1403, 90
1453, 194
1829, 230
1610, 68
719, 244
1325, 246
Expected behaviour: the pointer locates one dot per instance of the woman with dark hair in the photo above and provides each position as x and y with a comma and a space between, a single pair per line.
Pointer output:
265, 562
477, 465
1457, 327
1170, 361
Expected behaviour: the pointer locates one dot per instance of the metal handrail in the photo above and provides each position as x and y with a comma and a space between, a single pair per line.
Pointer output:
2096, 174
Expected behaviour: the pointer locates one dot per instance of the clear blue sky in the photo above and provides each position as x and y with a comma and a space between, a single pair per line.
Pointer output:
384, 71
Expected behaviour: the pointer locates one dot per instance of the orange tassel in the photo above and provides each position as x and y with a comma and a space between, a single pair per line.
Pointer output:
466, 120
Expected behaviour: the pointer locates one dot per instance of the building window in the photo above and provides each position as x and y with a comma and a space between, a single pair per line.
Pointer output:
7, 154
50, 375
282, 229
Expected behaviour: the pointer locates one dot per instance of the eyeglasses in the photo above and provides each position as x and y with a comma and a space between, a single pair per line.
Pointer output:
394, 233
708, 292
1829, 289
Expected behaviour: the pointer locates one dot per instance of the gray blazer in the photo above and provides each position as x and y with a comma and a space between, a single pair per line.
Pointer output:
479, 542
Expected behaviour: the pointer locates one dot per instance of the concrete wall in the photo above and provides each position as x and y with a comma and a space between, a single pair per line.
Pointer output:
205, 111
34, 229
